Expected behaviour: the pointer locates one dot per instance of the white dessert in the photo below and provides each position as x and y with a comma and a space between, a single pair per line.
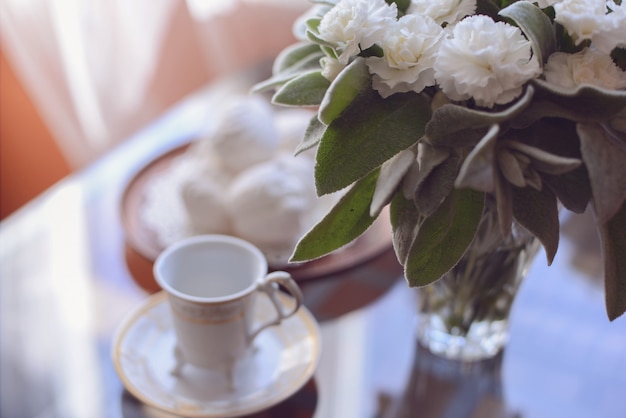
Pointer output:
241, 178
205, 206
245, 134
270, 204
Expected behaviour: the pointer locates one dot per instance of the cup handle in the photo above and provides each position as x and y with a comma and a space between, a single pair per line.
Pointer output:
268, 286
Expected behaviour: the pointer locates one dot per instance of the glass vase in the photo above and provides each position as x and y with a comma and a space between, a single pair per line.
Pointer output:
464, 315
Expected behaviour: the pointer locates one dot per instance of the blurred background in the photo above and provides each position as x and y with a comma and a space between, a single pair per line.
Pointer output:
78, 77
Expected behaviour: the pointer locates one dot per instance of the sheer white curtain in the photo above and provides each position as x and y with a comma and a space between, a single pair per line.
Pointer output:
98, 70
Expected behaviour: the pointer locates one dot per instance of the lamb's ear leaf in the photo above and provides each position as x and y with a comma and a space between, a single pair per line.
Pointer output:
343, 89
443, 237
433, 188
537, 211
605, 158
312, 135
536, 26
559, 137
581, 104
613, 239
571, 188
357, 141
293, 55
453, 125
290, 63
346, 221
391, 175
478, 170
307, 89
405, 219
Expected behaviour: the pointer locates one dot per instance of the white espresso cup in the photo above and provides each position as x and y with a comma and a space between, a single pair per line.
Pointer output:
212, 282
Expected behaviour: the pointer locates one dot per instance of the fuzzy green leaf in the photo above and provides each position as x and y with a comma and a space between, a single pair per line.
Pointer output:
293, 55
613, 239
458, 126
443, 238
312, 24
405, 219
428, 158
572, 188
435, 186
504, 204
312, 34
583, 104
391, 174
559, 137
346, 221
312, 135
537, 211
605, 159
307, 89
478, 169
535, 25
368, 133
343, 89
307, 64
542, 160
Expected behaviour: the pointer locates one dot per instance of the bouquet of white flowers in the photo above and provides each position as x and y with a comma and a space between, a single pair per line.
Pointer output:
431, 106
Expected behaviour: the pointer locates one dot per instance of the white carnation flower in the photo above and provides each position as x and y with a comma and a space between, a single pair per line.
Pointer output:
613, 32
588, 66
485, 60
409, 46
602, 22
444, 11
353, 25
331, 67
581, 18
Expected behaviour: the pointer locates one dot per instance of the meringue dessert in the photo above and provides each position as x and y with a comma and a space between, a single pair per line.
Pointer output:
241, 178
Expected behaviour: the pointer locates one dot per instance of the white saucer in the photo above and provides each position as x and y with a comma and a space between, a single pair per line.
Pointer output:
284, 359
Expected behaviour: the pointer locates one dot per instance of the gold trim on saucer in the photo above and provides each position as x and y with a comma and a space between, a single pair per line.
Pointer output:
138, 356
